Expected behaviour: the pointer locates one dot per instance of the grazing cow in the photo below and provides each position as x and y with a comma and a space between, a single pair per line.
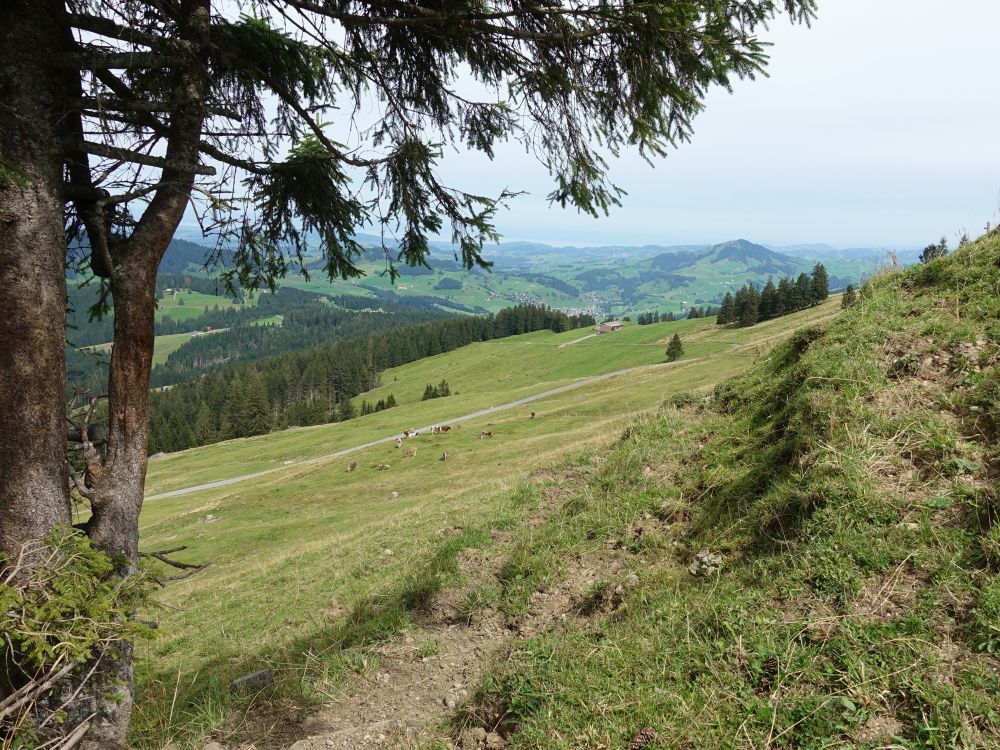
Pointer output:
444, 456
352, 466
410, 452
532, 415
407, 433
485, 434
381, 467
444, 428
399, 442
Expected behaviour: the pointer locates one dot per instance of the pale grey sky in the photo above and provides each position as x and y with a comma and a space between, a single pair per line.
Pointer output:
879, 125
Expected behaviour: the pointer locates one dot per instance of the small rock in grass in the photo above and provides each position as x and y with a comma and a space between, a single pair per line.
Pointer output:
631, 580
705, 563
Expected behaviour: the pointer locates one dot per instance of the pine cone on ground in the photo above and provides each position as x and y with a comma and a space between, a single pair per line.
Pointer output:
643, 739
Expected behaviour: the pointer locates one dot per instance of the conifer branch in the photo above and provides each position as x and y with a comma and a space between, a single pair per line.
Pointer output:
137, 157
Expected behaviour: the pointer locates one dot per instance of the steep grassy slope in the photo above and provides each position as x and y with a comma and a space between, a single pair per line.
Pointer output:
848, 483
296, 552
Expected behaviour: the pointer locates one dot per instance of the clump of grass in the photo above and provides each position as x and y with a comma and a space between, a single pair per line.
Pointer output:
427, 649
476, 600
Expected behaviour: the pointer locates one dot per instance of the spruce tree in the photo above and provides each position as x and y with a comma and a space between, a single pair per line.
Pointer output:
345, 410
256, 415
786, 297
820, 283
675, 350
802, 294
934, 251
727, 312
747, 306
204, 425
768, 301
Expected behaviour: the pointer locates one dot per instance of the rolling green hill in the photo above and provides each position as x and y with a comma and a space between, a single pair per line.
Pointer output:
318, 533
803, 555
605, 281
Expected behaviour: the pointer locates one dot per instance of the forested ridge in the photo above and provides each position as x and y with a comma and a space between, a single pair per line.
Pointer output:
316, 386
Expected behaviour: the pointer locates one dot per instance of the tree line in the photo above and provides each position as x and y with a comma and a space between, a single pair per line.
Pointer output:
751, 305
316, 386
648, 318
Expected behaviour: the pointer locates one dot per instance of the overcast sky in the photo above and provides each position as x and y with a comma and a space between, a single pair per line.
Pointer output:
880, 125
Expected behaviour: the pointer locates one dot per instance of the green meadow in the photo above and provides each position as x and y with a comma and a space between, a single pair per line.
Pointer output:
293, 550
480, 376
188, 305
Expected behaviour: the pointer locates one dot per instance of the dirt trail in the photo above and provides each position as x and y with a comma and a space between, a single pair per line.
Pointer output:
405, 699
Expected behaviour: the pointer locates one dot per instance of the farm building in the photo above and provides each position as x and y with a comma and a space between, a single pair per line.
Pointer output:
610, 326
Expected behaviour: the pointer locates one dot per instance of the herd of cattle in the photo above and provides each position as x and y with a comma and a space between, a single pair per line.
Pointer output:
411, 451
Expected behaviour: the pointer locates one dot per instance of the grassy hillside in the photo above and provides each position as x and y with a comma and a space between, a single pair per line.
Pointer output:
294, 551
481, 375
188, 305
848, 484
802, 556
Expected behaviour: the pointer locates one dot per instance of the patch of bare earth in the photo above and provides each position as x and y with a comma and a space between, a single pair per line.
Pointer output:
411, 691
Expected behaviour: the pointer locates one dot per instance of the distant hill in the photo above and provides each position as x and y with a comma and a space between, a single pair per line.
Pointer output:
601, 280
182, 256
905, 254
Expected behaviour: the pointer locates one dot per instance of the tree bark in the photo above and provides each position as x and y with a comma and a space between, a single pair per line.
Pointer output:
34, 495
117, 500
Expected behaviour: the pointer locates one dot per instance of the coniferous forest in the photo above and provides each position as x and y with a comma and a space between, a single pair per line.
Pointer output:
751, 305
315, 386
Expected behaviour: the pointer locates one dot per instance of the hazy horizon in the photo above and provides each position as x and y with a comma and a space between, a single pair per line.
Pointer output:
875, 128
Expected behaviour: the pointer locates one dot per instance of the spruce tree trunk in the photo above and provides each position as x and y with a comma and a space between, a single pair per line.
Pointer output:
34, 495
117, 500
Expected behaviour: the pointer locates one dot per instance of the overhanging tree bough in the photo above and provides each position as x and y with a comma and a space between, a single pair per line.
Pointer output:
118, 116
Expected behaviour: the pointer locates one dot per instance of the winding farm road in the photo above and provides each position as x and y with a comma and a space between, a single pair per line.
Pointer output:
473, 415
